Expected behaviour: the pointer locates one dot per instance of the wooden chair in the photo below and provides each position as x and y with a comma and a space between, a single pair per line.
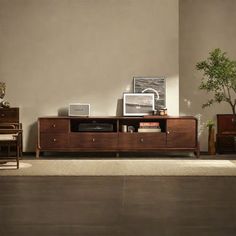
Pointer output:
10, 138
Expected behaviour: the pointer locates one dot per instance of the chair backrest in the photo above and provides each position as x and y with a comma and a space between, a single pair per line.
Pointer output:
10, 127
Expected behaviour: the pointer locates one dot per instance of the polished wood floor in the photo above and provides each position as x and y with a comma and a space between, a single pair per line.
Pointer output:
111, 206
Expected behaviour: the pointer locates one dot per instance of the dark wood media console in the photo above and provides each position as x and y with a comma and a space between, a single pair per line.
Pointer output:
57, 134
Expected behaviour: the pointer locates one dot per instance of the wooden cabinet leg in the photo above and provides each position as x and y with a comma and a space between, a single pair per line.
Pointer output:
17, 156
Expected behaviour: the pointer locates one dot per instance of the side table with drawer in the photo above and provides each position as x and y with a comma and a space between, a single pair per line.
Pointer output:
9, 115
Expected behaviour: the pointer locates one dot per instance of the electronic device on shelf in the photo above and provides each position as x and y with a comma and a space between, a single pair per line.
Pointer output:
95, 127
79, 109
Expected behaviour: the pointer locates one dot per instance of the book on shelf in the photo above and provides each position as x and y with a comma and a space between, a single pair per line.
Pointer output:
149, 124
149, 130
150, 127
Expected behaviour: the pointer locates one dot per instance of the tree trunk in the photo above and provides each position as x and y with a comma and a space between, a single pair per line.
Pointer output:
234, 114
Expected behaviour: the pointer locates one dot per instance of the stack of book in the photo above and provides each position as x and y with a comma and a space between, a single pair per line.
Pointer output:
149, 127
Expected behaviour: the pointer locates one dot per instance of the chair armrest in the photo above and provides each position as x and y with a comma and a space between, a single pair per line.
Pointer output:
10, 131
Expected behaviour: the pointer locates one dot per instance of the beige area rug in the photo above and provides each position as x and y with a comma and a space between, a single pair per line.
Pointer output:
127, 167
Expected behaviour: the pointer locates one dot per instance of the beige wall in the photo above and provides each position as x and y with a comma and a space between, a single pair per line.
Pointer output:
204, 26
55, 52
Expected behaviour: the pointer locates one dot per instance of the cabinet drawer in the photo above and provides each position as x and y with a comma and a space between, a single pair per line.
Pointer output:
93, 140
49, 141
226, 144
54, 125
225, 124
150, 140
127, 140
9, 115
139, 141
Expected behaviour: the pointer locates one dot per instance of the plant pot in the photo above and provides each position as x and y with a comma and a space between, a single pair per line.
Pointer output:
211, 141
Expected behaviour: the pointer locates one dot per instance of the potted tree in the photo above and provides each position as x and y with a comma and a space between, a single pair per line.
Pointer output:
219, 80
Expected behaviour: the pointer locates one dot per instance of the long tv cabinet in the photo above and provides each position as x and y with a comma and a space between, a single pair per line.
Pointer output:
64, 134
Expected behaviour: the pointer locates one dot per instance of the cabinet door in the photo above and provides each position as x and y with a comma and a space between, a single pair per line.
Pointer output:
105, 141
181, 133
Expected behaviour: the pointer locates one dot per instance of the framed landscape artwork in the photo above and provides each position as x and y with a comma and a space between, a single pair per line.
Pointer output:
154, 85
138, 104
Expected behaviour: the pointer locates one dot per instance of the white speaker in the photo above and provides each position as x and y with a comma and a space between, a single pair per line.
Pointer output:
79, 109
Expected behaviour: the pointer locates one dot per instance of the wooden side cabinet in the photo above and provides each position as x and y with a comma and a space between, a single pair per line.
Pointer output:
64, 134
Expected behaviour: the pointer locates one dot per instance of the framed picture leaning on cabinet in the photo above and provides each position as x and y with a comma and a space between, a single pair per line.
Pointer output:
155, 85
138, 104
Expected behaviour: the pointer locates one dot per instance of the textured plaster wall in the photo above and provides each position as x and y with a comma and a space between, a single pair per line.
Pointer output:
204, 26
55, 52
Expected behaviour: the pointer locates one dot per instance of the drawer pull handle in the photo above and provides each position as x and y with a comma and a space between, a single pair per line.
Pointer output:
2, 115
93, 139
54, 140
168, 132
53, 126
141, 140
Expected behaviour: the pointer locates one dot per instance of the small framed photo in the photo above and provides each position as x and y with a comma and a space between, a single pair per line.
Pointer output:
138, 104
154, 85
